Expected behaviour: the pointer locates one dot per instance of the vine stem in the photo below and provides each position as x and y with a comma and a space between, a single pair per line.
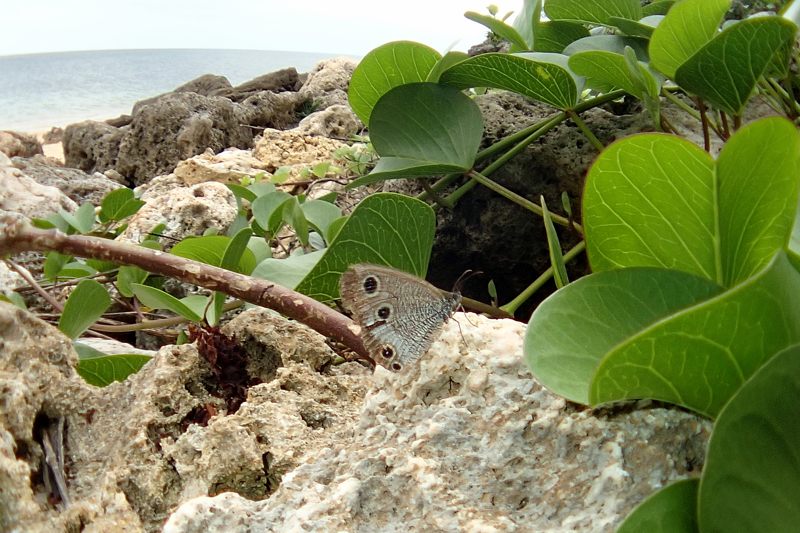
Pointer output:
18, 235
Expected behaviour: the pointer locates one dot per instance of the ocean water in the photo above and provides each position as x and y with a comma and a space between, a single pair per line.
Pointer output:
39, 91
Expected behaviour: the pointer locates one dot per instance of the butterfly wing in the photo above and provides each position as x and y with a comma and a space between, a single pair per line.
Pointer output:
399, 313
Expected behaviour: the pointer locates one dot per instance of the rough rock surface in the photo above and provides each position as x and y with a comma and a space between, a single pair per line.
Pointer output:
279, 81
469, 441
185, 211
76, 184
135, 449
337, 121
175, 127
205, 85
91, 146
21, 194
293, 149
328, 81
15, 143
226, 167
266, 109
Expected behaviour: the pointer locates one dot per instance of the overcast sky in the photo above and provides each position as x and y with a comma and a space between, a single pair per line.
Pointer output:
351, 27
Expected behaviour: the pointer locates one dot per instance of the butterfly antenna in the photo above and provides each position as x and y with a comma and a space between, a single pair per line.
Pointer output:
462, 279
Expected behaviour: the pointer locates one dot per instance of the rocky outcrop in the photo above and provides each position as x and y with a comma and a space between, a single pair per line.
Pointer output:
206, 113
15, 143
76, 184
176, 127
21, 194
328, 82
92, 146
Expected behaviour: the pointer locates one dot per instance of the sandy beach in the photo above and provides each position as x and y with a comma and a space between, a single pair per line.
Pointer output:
54, 150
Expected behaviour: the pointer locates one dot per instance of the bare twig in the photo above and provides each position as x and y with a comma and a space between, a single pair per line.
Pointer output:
17, 235
55, 304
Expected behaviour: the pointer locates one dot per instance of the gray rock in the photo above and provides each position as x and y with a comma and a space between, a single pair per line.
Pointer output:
205, 85
17, 143
175, 127
19, 193
54, 135
267, 109
328, 81
76, 184
336, 121
92, 146
278, 81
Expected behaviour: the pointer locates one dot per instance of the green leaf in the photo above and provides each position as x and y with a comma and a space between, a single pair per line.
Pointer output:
288, 272
593, 11
384, 229
158, 299
659, 7
725, 70
610, 43
100, 370
554, 246
241, 192
293, 215
14, 298
422, 129
555, 35
672, 509
129, 274
699, 358
88, 301
608, 69
113, 202
500, 28
320, 214
211, 250
214, 311
76, 269
82, 219
657, 200
261, 188
634, 28
688, 26
388, 66
535, 75
236, 256
53, 264
607, 308
268, 210
751, 477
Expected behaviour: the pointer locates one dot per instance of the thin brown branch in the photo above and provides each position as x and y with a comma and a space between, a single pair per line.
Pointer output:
55, 304
17, 235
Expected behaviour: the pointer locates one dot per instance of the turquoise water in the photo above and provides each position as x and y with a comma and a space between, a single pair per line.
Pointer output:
38, 91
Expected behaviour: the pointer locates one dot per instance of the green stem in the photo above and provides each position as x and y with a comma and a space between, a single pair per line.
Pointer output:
585, 130
512, 306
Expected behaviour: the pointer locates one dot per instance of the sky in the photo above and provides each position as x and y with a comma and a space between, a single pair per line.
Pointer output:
348, 27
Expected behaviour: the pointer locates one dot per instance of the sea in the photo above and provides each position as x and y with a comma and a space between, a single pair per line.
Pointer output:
40, 91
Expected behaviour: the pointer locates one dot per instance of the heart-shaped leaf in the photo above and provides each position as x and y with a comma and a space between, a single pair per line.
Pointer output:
672, 509
535, 75
687, 27
84, 306
726, 69
422, 129
593, 11
700, 357
384, 229
606, 308
752, 473
388, 66
658, 200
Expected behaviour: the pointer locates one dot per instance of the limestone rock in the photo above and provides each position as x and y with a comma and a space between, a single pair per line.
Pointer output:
91, 146
16, 143
266, 109
186, 211
293, 149
175, 127
76, 184
205, 85
53, 135
279, 81
469, 441
136, 448
225, 167
19, 193
336, 121
328, 81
